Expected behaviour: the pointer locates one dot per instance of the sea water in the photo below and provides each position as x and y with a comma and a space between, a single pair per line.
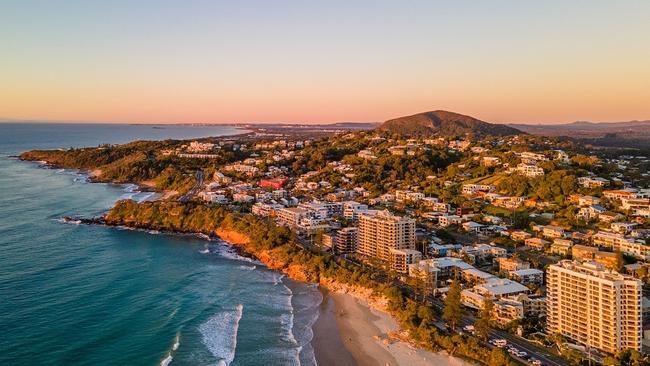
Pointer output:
91, 295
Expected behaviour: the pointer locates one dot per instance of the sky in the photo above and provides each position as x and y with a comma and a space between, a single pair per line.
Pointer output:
323, 61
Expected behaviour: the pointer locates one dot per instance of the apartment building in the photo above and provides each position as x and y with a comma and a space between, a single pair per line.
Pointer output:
347, 240
530, 276
472, 189
552, 232
381, 232
531, 156
427, 273
627, 245
561, 246
352, 209
594, 306
536, 243
512, 264
591, 182
408, 196
529, 170
402, 258
265, 209
291, 216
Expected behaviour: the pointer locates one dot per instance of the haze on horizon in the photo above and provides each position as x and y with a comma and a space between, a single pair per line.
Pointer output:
207, 61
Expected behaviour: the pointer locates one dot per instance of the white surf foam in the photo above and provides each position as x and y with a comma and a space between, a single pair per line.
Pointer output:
81, 178
167, 360
220, 334
227, 252
203, 236
131, 188
177, 342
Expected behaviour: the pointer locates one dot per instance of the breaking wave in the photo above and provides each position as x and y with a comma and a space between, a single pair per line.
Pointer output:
219, 334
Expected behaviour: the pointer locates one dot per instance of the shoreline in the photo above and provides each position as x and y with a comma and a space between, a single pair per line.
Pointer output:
352, 328
349, 330
368, 336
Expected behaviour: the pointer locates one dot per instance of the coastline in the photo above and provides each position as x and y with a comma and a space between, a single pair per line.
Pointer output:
353, 326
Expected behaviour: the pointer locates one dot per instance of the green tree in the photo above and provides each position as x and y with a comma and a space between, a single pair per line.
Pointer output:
452, 312
482, 325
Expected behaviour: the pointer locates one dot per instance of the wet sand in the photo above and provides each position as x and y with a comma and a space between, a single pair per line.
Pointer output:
327, 342
348, 332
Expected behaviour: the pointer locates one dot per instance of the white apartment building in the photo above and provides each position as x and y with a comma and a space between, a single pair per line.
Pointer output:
627, 245
591, 182
408, 196
291, 216
593, 306
352, 209
265, 209
381, 232
446, 220
529, 170
472, 189
533, 156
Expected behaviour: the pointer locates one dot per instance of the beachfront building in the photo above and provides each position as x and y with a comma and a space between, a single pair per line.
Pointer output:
402, 258
593, 306
347, 240
382, 231
427, 273
291, 216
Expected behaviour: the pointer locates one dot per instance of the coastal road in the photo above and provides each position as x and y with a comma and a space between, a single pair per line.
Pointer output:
533, 350
197, 187
521, 344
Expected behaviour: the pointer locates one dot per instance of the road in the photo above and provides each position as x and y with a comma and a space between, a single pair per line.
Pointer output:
197, 187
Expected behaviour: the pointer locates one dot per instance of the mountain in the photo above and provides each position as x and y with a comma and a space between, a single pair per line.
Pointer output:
444, 123
630, 129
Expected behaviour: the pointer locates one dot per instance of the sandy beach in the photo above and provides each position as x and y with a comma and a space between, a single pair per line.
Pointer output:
349, 332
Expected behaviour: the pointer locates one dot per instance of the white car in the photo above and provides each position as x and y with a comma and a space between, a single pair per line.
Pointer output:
522, 354
500, 343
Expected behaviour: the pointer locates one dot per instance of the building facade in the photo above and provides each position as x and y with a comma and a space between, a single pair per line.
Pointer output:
593, 306
381, 232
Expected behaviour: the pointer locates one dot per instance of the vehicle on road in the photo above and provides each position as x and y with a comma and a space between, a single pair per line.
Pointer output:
500, 342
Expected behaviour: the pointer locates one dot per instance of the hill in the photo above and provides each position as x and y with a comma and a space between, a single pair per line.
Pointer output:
632, 129
444, 123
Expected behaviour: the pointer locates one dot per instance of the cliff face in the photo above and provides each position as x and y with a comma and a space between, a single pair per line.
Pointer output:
271, 258
233, 237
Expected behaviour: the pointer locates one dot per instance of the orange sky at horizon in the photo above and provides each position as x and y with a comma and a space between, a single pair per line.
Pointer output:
323, 62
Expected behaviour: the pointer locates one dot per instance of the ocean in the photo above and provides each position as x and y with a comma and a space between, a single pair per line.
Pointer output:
91, 295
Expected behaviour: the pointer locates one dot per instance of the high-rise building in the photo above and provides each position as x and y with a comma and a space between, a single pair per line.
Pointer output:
346, 240
381, 232
596, 307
